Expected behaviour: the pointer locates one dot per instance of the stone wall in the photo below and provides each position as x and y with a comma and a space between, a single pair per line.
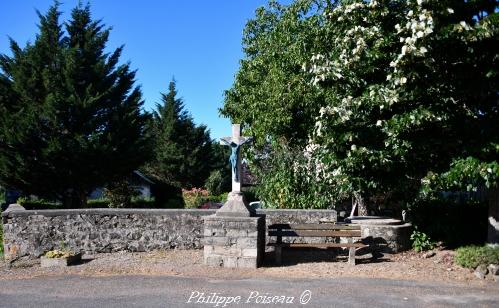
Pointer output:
32, 233
388, 238
29, 234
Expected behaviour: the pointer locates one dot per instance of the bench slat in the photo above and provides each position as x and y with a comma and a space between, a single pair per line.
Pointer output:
360, 245
314, 227
316, 233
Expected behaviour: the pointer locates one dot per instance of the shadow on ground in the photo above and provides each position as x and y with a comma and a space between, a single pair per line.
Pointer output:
294, 256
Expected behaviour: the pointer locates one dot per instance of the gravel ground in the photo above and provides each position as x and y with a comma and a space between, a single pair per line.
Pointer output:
298, 263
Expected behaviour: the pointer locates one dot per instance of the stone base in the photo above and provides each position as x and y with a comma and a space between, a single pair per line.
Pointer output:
235, 206
235, 242
60, 262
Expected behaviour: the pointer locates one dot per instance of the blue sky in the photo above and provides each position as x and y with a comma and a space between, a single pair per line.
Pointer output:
197, 42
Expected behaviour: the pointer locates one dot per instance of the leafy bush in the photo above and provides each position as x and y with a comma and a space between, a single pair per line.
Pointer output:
120, 194
421, 241
93, 203
195, 197
38, 204
285, 182
217, 183
473, 256
453, 217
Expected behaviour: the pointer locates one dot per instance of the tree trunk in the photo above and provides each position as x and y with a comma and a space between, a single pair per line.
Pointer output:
74, 199
360, 204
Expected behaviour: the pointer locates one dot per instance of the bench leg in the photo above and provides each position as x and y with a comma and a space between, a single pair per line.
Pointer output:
351, 253
278, 255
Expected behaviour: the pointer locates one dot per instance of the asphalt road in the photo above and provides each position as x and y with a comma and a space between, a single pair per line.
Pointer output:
155, 291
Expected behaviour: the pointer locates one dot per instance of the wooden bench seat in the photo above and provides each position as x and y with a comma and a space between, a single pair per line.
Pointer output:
315, 230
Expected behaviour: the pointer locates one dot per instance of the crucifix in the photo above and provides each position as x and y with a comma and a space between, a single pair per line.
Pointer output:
235, 142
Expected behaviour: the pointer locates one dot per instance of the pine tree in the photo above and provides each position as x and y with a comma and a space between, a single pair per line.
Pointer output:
71, 116
182, 150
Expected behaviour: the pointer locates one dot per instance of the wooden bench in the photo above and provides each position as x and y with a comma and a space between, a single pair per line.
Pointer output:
315, 230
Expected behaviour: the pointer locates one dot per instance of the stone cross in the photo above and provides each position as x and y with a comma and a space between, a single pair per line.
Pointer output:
235, 142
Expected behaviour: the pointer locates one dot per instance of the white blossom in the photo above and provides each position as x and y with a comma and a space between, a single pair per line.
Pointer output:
465, 26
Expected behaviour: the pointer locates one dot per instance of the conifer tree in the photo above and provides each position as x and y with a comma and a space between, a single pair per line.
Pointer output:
71, 117
182, 150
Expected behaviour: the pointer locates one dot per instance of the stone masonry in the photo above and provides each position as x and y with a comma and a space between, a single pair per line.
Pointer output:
234, 241
31, 233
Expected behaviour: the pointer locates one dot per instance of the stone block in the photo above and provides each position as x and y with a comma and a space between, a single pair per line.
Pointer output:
247, 262
480, 272
237, 249
236, 233
247, 242
214, 232
60, 262
227, 251
216, 241
493, 269
250, 252
213, 260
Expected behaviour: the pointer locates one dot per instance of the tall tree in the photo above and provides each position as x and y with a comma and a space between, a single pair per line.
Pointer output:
274, 100
182, 149
404, 93
71, 117
411, 96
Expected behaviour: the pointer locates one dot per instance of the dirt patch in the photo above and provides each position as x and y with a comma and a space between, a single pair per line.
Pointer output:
297, 263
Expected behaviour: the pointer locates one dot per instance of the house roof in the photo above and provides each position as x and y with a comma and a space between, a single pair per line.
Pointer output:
143, 177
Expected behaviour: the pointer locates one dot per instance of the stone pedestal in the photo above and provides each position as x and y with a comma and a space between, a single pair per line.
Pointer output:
237, 242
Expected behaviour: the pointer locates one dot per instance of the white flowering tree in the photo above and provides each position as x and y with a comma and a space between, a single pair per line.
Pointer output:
373, 99
411, 97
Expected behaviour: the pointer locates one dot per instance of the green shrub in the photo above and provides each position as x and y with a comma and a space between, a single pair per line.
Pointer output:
120, 194
217, 183
98, 203
195, 197
473, 256
38, 204
421, 241
92, 203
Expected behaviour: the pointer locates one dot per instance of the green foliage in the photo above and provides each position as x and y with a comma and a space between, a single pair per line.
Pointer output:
71, 115
182, 155
271, 95
98, 203
287, 184
449, 221
380, 96
473, 256
218, 183
196, 197
421, 241
120, 194
2, 195
93, 203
